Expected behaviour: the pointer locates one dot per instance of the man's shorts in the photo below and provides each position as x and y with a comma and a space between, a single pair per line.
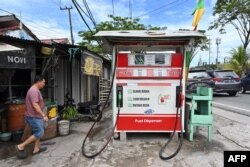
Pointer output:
37, 126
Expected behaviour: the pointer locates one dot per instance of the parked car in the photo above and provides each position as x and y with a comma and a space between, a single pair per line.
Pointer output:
245, 83
226, 81
198, 78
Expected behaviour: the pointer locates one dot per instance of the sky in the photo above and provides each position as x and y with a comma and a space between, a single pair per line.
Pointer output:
46, 20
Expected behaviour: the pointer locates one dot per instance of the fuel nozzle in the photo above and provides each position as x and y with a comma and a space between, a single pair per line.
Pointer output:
119, 96
119, 99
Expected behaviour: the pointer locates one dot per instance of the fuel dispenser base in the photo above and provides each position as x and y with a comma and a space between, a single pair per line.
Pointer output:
201, 111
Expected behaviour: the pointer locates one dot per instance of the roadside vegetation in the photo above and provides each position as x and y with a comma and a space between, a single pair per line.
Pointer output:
235, 13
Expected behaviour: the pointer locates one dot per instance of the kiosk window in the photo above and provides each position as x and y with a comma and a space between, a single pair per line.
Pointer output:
139, 59
159, 59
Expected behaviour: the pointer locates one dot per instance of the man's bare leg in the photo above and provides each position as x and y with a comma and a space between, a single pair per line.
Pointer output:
26, 142
37, 146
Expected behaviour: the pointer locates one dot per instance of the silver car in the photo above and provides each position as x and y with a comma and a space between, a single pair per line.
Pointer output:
226, 81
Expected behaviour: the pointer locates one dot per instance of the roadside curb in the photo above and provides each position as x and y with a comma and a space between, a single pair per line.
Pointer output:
231, 109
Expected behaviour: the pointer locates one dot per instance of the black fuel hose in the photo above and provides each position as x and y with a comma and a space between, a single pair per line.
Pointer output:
92, 127
170, 139
173, 133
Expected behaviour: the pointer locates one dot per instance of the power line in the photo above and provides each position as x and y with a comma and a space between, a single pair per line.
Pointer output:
6, 11
163, 6
76, 6
90, 13
82, 9
43, 28
181, 2
31, 21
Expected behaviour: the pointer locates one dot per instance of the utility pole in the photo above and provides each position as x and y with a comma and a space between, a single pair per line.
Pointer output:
71, 33
209, 52
218, 41
113, 7
72, 42
130, 9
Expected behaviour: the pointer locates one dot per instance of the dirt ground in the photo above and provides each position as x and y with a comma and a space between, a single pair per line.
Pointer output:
140, 149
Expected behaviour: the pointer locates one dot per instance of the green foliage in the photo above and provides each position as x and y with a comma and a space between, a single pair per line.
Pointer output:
230, 12
116, 23
69, 112
199, 44
237, 14
239, 58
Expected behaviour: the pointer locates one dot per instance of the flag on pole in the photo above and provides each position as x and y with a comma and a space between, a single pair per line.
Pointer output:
198, 13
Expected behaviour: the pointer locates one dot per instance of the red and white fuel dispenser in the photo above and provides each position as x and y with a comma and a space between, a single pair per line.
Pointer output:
149, 80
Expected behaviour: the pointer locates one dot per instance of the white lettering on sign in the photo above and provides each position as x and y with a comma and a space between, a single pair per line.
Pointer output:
148, 121
138, 120
237, 157
16, 59
152, 121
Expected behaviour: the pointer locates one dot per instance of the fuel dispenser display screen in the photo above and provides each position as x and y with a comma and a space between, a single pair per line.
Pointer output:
155, 59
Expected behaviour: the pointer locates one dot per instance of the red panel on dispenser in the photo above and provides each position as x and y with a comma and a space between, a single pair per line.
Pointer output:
177, 60
122, 60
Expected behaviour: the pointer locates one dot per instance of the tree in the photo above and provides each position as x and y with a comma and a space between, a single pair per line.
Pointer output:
237, 14
200, 44
116, 23
237, 59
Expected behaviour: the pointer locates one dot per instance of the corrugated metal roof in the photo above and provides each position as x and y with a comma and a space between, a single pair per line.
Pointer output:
9, 40
149, 34
140, 38
11, 22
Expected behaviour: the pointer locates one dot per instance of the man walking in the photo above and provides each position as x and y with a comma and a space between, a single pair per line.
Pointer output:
35, 117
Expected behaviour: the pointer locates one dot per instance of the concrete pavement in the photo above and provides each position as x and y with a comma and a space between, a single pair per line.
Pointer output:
141, 149
234, 109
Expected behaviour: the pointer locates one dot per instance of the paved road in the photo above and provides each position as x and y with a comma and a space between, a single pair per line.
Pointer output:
240, 103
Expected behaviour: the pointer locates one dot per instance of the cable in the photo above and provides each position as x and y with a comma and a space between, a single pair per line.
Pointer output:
83, 10
91, 128
172, 7
29, 24
76, 4
163, 6
42, 31
6, 11
176, 117
89, 12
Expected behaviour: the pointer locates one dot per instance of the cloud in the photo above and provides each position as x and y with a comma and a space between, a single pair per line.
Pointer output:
48, 30
46, 19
